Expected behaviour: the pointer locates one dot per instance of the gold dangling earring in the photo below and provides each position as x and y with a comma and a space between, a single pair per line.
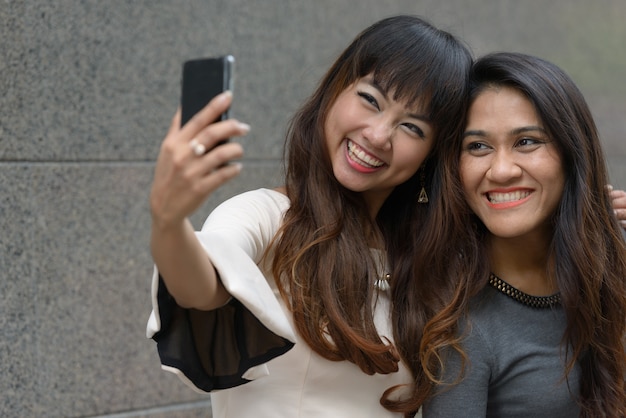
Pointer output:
423, 196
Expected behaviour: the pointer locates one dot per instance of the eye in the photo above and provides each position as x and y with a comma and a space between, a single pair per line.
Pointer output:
526, 141
369, 98
415, 129
529, 144
476, 148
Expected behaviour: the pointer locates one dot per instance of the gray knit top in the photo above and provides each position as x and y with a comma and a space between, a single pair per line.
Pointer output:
516, 363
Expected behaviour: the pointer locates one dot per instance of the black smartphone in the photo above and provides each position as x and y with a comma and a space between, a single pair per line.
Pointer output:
203, 79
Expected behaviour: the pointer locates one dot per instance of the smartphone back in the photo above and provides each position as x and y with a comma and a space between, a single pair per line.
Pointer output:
203, 79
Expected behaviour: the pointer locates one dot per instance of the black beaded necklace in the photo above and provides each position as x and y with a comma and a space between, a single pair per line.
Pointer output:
529, 300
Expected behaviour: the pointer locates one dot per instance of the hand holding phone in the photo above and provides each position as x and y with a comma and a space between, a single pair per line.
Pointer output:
178, 189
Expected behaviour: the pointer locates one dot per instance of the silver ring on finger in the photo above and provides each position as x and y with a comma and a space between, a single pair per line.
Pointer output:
198, 149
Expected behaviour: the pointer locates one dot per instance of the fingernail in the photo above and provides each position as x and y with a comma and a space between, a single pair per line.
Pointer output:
609, 187
224, 96
244, 127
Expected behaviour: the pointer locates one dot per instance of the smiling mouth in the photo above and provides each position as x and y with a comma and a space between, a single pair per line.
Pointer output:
508, 197
358, 155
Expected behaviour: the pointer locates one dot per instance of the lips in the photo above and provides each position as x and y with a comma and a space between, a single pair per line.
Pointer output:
363, 158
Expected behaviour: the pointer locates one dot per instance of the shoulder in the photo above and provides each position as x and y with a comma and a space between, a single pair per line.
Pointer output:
248, 221
501, 312
258, 204
258, 198
486, 320
507, 327
489, 303
490, 312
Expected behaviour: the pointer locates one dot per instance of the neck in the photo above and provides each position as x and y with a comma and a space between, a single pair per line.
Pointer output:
374, 201
374, 237
523, 263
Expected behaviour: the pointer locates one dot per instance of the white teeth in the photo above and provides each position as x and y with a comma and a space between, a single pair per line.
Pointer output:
357, 153
507, 197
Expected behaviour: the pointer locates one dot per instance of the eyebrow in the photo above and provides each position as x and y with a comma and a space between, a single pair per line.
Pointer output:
373, 83
515, 131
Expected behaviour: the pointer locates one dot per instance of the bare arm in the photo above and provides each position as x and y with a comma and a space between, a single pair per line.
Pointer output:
182, 182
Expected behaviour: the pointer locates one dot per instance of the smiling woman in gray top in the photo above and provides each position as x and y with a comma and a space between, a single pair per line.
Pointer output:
541, 305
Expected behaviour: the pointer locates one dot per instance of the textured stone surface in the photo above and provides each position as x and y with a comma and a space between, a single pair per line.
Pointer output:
88, 90
18, 322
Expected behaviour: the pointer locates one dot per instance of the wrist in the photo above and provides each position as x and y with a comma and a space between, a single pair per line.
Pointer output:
165, 226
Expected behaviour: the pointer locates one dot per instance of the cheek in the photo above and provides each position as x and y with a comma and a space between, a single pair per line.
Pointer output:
553, 176
414, 151
465, 172
557, 185
470, 175
331, 130
412, 158
340, 109
329, 121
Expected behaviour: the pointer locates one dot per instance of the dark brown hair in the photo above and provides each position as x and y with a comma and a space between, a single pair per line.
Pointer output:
587, 248
322, 256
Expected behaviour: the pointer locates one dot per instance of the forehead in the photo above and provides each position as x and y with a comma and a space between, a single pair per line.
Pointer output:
502, 105
415, 104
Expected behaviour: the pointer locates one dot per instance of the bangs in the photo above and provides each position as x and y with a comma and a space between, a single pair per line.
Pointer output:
422, 74
412, 89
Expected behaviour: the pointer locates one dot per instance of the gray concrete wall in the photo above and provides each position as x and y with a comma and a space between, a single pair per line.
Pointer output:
87, 90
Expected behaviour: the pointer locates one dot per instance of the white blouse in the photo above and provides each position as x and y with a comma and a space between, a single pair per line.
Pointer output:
296, 381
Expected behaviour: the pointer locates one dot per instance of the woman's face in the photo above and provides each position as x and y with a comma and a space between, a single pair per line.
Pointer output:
511, 170
375, 143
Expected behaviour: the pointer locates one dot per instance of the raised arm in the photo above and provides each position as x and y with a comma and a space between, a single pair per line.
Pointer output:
183, 179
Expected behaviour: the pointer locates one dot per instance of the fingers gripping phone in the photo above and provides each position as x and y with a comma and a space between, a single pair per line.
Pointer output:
203, 79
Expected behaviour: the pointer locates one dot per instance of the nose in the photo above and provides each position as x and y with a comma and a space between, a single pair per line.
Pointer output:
503, 167
378, 132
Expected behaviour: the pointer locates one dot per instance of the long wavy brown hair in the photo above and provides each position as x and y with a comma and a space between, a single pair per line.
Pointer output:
322, 252
588, 251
